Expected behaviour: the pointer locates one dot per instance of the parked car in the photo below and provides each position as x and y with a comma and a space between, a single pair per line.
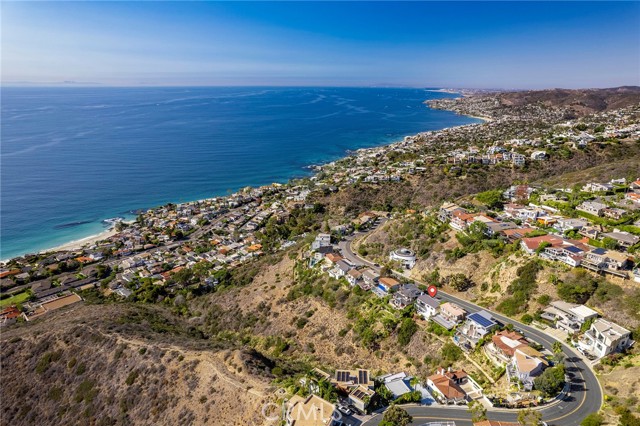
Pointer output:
344, 410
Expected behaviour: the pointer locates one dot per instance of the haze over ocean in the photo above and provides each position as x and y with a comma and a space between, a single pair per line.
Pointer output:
72, 157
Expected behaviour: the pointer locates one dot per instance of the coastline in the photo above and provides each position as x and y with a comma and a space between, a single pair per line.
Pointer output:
80, 243
313, 169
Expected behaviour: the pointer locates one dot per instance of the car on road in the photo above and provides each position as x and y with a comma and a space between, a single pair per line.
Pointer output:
344, 409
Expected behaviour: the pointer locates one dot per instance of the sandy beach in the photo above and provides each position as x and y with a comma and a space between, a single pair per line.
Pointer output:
78, 244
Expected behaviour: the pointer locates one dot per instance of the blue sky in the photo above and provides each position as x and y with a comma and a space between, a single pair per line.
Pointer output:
449, 44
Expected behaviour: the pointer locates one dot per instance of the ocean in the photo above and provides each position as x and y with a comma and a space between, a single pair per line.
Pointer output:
71, 157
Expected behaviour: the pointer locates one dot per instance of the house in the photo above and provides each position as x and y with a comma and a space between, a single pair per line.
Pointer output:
9, 315
494, 228
526, 364
517, 211
460, 220
354, 276
398, 383
445, 386
450, 315
604, 338
370, 278
518, 192
333, 258
309, 411
505, 343
405, 296
597, 187
346, 379
386, 285
624, 239
340, 270
634, 197
531, 244
446, 211
322, 240
614, 213
602, 259
592, 207
321, 252
518, 160
517, 233
538, 155
360, 397
427, 306
476, 326
568, 224
406, 257
568, 316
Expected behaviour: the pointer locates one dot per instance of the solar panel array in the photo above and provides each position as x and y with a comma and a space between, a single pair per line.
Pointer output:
485, 322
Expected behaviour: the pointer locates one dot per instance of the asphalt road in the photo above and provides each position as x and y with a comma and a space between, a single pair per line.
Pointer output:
583, 398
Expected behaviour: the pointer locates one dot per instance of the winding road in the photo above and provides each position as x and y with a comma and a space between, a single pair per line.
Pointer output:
584, 396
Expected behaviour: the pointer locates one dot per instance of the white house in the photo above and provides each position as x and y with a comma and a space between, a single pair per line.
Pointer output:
322, 240
406, 257
604, 338
427, 306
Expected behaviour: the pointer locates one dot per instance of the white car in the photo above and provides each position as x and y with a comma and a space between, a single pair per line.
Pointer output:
344, 410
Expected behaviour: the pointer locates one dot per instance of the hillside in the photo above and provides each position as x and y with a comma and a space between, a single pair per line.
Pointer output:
122, 364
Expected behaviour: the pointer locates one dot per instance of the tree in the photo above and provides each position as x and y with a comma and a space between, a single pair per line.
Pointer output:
406, 331
557, 347
529, 417
478, 411
491, 198
396, 416
460, 282
450, 352
609, 243
551, 381
593, 419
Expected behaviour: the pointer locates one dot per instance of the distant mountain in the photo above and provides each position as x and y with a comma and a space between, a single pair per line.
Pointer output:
582, 101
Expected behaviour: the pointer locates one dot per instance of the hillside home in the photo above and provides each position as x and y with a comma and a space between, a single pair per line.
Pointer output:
450, 315
614, 213
446, 211
370, 278
406, 257
592, 207
360, 397
309, 411
461, 220
354, 276
634, 197
398, 383
427, 306
504, 344
405, 296
597, 187
624, 239
386, 285
604, 338
347, 379
526, 364
476, 326
568, 316
445, 386
568, 224
340, 269
602, 259
322, 240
